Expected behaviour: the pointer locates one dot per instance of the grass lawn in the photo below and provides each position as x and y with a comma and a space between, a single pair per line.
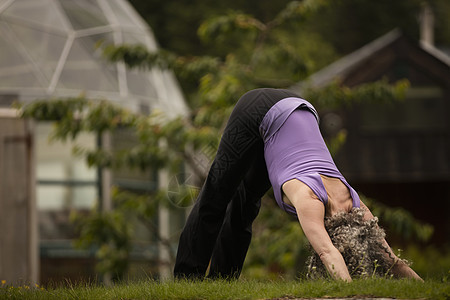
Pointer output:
240, 289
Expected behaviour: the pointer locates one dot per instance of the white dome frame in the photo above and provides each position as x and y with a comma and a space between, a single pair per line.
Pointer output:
48, 50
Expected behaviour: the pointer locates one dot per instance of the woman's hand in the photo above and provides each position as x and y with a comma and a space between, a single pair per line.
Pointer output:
335, 264
400, 268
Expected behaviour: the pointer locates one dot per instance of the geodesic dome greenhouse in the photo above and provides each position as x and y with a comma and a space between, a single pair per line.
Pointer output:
48, 50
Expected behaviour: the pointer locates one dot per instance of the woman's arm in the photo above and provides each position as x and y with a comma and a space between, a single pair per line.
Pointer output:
311, 212
400, 268
311, 217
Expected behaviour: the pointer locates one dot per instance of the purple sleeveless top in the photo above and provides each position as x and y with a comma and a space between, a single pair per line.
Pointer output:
294, 149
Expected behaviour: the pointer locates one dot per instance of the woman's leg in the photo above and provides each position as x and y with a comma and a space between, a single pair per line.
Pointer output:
236, 232
237, 148
240, 143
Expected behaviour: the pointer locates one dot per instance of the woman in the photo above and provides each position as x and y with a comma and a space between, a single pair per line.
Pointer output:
271, 139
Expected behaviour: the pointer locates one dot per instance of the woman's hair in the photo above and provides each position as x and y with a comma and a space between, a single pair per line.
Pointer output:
360, 243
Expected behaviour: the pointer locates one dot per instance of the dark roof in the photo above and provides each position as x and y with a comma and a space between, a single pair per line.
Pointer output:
345, 65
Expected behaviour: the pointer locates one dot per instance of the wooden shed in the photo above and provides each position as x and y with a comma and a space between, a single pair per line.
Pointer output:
399, 153
18, 219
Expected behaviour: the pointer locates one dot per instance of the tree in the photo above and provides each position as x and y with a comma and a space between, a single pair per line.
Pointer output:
175, 22
276, 53
345, 24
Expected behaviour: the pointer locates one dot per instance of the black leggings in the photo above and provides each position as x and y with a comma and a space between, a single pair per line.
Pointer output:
219, 227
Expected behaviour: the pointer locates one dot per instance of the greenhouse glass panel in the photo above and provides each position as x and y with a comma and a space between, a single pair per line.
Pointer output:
84, 68
51, 169
43, 12
55, 160
21, 77
92, 43
62, 166
8, 53
84, 14
139, 37
65, 197
131, 178
14, 70
45, 49
64, 181
83, 197
51, 197
139, 83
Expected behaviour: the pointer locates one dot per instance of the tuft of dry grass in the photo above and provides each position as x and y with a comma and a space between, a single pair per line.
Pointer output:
360, 243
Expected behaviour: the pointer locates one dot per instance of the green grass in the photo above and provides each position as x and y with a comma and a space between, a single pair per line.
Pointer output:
241, 289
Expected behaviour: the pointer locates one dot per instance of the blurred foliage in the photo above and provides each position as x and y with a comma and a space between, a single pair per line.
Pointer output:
174, 22
400, 221
335, 96
263, 54
338, 20
277, 248
428, 261
109, 233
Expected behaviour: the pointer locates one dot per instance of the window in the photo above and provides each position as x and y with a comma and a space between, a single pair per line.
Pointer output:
64, 182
